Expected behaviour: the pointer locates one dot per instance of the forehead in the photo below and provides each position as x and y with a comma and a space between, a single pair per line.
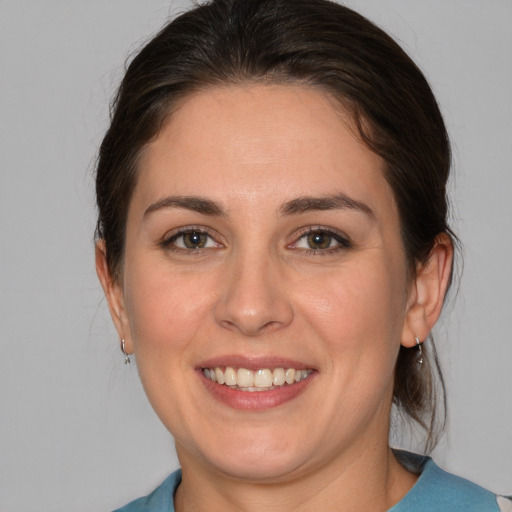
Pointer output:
247, 141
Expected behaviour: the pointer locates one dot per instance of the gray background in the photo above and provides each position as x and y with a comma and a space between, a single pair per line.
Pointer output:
76, 433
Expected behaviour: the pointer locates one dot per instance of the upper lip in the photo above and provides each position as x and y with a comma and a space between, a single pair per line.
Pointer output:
253, 362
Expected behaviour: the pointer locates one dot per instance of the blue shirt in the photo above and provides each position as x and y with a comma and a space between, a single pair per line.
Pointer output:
435, 491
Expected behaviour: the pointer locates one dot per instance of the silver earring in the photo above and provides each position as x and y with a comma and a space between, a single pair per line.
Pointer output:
126, 356
420, 350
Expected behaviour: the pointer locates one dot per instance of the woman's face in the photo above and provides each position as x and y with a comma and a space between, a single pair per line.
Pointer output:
262, 237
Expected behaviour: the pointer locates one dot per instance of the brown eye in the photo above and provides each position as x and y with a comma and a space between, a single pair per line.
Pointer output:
194, 239
190, 240
319, 240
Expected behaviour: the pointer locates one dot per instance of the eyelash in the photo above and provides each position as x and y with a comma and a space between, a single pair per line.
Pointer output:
343, 242
169, 240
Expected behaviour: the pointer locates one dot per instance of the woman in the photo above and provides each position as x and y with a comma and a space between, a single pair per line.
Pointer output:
273, 244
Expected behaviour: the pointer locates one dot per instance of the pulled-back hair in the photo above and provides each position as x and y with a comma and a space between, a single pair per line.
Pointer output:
313, 42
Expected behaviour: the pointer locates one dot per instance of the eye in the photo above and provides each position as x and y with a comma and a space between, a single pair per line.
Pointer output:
319, 240
190, 239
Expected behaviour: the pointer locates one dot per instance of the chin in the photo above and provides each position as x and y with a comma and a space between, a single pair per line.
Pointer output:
251, 456
259, 467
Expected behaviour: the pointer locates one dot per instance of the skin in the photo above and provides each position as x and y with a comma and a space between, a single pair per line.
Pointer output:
257, 289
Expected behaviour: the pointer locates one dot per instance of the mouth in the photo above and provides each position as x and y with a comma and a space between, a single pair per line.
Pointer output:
255, 384
263, 379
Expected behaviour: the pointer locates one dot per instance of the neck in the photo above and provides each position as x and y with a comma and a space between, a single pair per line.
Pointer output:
370, 479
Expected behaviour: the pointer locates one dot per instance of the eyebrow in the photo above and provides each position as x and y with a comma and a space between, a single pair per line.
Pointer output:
196, 204
296, 206
335, 202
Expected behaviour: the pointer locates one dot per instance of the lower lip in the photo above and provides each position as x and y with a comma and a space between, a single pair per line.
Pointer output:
255, 400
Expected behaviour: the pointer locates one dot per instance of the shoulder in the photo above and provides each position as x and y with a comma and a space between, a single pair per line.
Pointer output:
160, 500
438, 491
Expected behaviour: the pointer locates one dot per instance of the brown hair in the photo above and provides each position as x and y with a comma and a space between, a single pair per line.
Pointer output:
315, 42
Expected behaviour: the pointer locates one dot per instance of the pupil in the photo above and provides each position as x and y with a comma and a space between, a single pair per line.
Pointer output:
194, 240
319, 240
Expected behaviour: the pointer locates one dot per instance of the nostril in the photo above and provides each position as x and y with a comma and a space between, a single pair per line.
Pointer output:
254, 322
251, 301
250, 328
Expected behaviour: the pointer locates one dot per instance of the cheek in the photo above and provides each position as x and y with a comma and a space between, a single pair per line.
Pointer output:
359, 315
165, 309
354, 321
167, 315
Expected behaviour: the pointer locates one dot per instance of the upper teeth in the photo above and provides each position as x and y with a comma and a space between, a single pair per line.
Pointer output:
259, 380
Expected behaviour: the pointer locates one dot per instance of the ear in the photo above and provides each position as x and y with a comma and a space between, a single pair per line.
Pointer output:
427, 292
114, 294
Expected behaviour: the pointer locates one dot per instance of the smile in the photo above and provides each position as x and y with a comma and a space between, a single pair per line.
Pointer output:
264, 379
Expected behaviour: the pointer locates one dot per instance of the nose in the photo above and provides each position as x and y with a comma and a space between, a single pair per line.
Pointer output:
254, 299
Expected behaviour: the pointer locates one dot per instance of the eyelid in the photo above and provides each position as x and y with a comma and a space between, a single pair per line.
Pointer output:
343, 241
340, 237
172, 235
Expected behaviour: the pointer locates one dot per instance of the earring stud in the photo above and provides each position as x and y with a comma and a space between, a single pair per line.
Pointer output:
420, 350
126, 355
